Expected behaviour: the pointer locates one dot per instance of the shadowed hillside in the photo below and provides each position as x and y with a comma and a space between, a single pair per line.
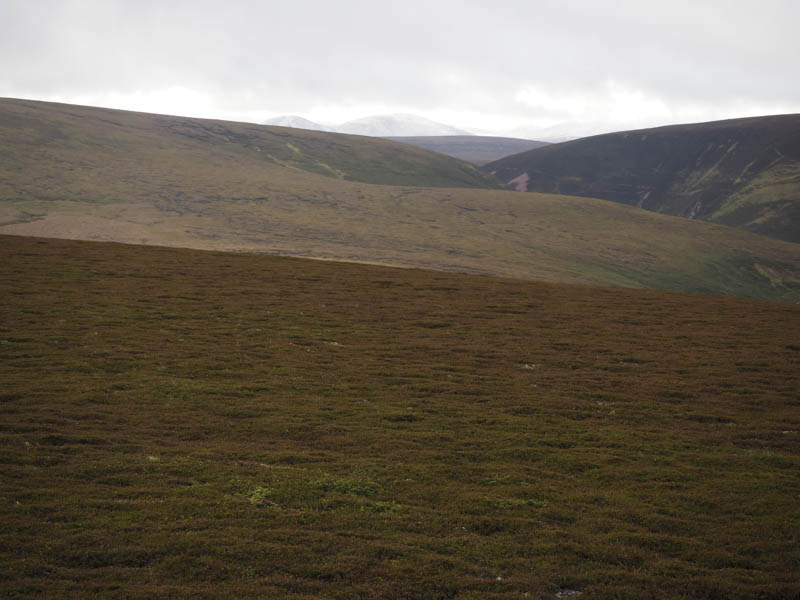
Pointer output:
183, 424
477, 149
82, 173
741, 172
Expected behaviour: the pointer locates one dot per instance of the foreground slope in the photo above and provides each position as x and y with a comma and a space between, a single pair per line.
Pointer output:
477, 149
192, 424
740, 172
112, 175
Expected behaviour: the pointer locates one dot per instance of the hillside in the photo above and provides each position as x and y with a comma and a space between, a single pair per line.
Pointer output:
82, 173
742, 172
93, 142
207, 425
477, 149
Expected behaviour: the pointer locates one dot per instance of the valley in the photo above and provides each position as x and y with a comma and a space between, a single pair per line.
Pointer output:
98, 174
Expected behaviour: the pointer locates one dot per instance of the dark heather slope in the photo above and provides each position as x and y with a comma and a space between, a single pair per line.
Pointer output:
741, 172
184, 424
477, 149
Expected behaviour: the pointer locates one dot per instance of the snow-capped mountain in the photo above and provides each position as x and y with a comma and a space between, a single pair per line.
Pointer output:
375, 126
297, 123
562, 132
398, 125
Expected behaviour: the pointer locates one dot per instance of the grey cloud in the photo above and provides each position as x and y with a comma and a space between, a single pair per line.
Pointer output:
289, 57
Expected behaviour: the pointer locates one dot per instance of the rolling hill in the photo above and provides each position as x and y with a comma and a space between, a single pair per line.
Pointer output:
477, 149
97, 174
107, 144
741, 172
184, 424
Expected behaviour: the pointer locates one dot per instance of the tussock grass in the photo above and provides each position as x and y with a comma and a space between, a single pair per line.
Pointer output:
177, 423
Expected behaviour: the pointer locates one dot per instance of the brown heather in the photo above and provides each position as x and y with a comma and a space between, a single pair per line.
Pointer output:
188, 424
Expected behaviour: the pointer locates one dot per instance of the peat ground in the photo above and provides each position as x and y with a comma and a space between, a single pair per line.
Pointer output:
179, 423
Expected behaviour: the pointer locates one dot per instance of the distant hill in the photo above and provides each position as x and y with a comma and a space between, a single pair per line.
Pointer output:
384, 126
297, 123
741, 172
398, 125
98, 174
43, 135
477, 149
560, 132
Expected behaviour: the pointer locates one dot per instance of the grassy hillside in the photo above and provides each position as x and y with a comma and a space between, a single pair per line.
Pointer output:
741, 172
83, 177
76, 138
192, 424
477, 149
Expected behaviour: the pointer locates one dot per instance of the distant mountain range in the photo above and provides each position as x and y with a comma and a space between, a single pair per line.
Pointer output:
375, 126
297, 123
739, 172
477, 149
405, 125
561, 132
397, 125
423, 133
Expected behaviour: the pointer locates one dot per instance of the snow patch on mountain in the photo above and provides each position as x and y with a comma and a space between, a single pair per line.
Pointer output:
562, 132
297, 123
398, 125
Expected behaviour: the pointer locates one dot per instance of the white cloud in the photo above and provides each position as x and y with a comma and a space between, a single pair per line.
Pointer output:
471, 64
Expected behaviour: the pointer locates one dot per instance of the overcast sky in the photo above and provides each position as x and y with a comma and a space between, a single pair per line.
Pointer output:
489, 65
